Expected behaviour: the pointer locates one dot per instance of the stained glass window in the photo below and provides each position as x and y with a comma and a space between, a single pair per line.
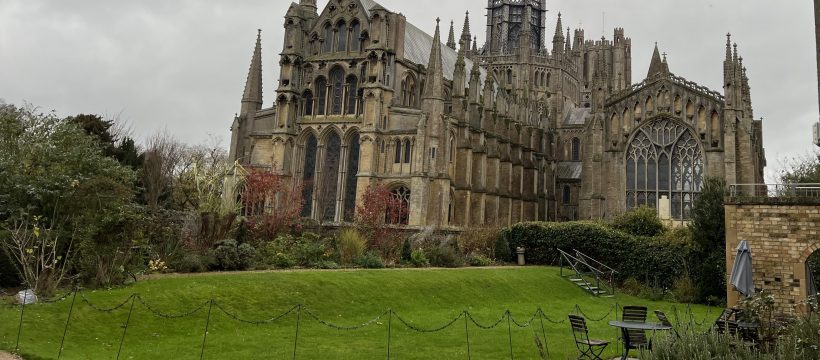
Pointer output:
352, 92
327, 46
355, 35
321, 89
407, 151
337, 79
398, 152
331, 177
664, 159
309, 175
576, 149
341, 43
308, 96
351, 182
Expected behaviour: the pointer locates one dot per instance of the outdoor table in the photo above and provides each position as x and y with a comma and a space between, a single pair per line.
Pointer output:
627, 325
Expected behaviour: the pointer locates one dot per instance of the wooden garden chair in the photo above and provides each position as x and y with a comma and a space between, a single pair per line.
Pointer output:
588, 348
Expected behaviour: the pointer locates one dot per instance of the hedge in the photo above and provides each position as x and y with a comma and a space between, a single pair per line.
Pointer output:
649, 260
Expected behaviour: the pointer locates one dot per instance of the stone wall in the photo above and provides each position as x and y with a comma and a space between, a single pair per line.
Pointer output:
781, 237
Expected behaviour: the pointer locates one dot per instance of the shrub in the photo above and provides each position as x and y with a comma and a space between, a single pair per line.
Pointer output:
502, 250
631, 286
351, 245
418, 259
684, 290
480, 241
369, 260
479, 260
446, 254
189, 263
310, 249
642, 221
327, 265
230, 256
646, 259
282, 261
406, 251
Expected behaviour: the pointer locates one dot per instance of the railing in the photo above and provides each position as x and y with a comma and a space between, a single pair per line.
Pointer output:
608, 273
775, 191
580, 264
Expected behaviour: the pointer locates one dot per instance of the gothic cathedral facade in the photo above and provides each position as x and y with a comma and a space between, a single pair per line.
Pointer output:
464, 135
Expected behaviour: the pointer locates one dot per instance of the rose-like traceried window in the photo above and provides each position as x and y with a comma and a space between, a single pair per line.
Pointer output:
664, 159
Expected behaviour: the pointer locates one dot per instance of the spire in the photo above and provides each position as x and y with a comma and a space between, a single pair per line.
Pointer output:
568, 48
460, 73
435, 74
558, 30
465, 30
475, 82
253, 84
729, 47
451, 40
558, 38
475, 44
656, 66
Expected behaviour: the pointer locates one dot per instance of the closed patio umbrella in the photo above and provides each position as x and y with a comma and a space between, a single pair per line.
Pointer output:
742, 270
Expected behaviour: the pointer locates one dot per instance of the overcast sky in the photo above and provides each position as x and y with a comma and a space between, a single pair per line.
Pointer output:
181, 65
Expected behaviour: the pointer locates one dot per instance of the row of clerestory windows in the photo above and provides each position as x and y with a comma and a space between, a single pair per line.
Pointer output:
341, 37
340, 96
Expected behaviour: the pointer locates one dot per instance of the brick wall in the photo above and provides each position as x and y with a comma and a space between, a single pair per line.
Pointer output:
781, 238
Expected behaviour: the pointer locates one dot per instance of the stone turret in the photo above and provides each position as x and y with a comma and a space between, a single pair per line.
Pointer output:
466, 37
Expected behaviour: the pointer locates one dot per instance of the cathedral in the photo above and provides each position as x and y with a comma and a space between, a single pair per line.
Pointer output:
468, 135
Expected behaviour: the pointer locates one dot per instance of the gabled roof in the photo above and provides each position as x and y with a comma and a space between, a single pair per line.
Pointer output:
417, 47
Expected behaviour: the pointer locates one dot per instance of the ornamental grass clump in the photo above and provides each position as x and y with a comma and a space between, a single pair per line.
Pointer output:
351, 245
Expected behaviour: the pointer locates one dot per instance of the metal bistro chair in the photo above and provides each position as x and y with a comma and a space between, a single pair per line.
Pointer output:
635, 339
588, 348
665, 321
724, 324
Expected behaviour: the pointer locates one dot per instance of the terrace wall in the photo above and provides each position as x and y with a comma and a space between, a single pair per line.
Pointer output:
782, 236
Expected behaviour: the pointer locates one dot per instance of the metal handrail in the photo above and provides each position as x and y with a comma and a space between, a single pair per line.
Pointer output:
599, 273
567, 256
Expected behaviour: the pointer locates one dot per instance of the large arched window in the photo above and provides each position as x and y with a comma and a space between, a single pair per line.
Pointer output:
321, 90
575, 149
399, 211
352, 93
309, 175
330, 178
664, 159
327, 46
337, 79
308, 107
351, 179
341, 31
355, 36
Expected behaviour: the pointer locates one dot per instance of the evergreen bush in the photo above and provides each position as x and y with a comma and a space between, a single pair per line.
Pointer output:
650, 260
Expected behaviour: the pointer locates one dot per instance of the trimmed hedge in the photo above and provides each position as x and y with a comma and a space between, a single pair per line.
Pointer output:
649, 260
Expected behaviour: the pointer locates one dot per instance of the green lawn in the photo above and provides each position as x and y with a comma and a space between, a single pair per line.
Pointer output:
427, 298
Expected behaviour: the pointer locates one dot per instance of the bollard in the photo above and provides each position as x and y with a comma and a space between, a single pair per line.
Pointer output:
520, 252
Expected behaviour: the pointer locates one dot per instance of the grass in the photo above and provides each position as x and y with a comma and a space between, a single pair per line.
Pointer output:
429, 298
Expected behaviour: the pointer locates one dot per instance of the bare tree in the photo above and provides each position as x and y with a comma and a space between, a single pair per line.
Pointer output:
163, 156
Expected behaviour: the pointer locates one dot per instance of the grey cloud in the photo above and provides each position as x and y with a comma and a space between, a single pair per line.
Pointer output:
181, 65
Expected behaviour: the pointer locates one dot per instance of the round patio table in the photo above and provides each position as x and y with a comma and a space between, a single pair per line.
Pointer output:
628, 325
